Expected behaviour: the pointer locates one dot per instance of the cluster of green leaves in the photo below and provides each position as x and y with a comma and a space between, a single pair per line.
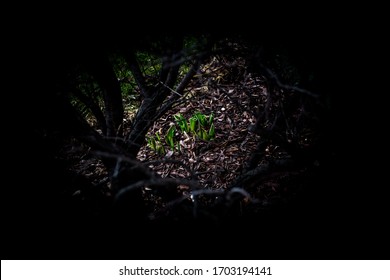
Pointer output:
155, 143
199, 125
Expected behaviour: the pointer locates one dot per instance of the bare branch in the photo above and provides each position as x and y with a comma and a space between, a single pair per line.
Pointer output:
289, 87
164, 68
168, 105
171, 89
121, 158
155, 182
102, 70
172, 76
187, 78
240, 191
95, 109
261, 170
137, 73
179, 90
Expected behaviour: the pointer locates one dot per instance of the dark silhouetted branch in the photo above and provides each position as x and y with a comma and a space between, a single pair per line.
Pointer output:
137, 73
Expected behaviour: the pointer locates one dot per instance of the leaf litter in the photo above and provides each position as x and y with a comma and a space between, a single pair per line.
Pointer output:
236, 101
217, 164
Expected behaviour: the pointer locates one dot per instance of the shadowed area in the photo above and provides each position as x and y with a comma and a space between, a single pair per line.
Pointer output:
221, 145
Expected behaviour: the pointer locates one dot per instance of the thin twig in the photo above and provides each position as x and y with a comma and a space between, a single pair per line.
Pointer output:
171, 89
157, 182
289, 87
121, 158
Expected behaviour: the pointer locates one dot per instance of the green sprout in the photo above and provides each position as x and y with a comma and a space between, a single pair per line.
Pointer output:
169, 137
181, 122
199, 125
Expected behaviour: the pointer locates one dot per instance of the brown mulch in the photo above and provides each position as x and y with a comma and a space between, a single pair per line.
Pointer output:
234, 97
217, 164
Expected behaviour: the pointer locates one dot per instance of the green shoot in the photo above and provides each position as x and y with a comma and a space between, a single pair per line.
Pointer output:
169, 137
199, 125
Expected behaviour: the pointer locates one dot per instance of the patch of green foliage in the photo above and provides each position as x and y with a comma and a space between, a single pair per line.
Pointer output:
199, 125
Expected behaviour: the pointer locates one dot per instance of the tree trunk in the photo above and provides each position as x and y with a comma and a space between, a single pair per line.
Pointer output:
100, 67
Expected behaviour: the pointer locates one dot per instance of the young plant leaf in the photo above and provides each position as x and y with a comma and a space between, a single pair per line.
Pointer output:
169, 137
211, 132
193, 121
160, 150
211, 119
178, 146
182, 122
202, 119
152, 143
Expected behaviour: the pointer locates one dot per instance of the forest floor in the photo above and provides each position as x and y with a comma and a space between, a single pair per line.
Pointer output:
234, 97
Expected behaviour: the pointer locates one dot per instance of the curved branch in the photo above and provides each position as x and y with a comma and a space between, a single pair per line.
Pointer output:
100, 67
137, 73
95, 109
188, 77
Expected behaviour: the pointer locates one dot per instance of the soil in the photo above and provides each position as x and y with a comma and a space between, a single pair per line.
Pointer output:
219, 167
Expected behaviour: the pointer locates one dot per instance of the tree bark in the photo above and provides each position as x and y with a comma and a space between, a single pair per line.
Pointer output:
96, 111
100, 67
